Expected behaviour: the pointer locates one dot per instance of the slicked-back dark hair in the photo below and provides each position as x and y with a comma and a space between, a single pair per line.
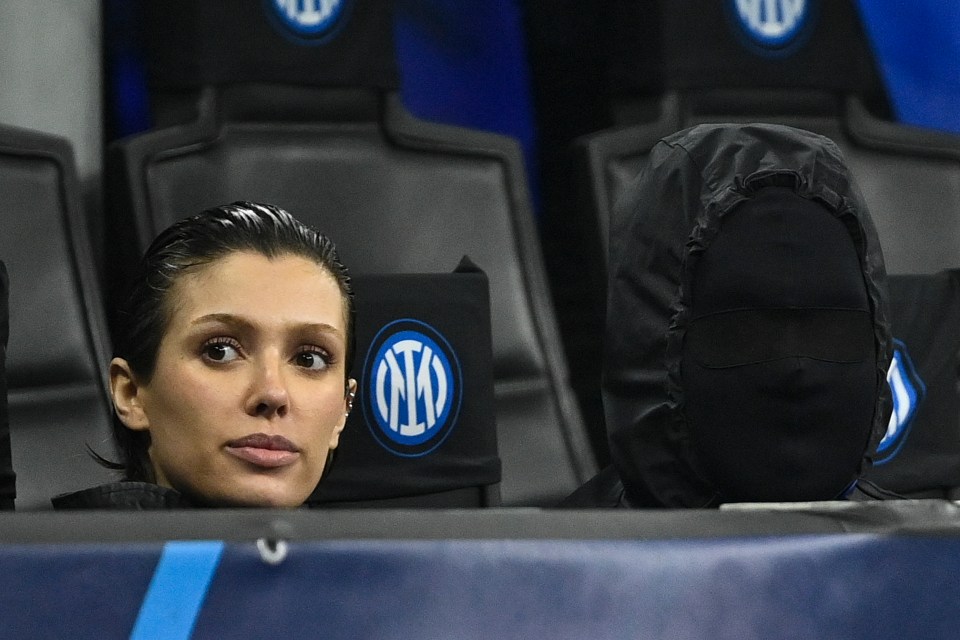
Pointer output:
184, 246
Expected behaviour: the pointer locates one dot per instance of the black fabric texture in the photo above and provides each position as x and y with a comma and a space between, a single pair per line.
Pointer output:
778, 250
133, 496
8, 479
604, 490
780, 424
705, 49
733, 338
925, 315
669, 217
215, 42
369, 465
633, 47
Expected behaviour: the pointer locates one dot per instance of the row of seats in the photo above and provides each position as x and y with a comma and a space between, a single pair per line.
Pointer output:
321, 132
58, 349
59, 344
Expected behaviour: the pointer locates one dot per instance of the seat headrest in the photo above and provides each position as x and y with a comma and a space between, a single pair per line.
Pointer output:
423, 421
788, 44
920, 451
315, 42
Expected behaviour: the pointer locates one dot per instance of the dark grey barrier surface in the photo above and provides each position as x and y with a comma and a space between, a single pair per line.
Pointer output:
929, 516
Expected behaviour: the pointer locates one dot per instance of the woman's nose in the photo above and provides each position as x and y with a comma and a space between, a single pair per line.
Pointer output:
269, 394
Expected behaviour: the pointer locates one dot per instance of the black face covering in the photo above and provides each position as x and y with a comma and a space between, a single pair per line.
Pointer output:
779, 363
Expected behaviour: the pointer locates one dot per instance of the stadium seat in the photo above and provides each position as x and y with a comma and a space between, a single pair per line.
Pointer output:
58, 347
245, 110
920, 455
825, 82
422, 432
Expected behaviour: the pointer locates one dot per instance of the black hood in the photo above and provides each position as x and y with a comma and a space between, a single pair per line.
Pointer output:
666, 220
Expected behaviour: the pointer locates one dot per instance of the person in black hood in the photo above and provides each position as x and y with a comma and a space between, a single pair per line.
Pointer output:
747, 340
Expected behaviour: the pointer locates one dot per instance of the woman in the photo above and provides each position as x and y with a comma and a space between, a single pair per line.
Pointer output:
230, 383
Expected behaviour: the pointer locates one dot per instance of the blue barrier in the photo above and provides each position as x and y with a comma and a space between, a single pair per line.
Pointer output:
177, 590
863, 585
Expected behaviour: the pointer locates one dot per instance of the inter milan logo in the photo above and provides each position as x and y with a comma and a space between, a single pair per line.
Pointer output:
414, 388
773, 25
908, 392
308, 20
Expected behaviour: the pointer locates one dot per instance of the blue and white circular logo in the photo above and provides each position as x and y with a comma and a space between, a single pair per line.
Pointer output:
414, 388
309, 20
908, 392
773, 25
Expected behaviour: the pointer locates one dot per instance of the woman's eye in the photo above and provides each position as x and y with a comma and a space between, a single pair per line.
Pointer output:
220, 352
313, 360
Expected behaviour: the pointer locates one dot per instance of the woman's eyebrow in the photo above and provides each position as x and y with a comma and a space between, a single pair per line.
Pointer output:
222, 318
240, 321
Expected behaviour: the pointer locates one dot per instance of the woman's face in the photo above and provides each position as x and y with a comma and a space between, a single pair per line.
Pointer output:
248, 395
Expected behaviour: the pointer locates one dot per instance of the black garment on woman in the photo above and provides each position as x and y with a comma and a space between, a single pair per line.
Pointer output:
136, 496
140, 496
747, 340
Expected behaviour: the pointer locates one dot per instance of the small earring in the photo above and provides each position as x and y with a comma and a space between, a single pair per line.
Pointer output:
350, 396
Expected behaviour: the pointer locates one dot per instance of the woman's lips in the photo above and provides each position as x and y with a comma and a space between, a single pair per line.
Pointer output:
265, 451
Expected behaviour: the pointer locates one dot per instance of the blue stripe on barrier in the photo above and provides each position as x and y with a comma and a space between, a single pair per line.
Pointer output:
177, 590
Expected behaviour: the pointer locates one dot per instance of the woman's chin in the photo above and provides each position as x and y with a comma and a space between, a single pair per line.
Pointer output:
259, 497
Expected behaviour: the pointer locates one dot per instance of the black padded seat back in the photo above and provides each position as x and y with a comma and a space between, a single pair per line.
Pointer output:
662, 46
57, 353
334, 43
808, 45
910, 178
423, 431
920, 455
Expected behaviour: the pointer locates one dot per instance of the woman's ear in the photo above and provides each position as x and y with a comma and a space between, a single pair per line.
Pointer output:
126, 396
349, 397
